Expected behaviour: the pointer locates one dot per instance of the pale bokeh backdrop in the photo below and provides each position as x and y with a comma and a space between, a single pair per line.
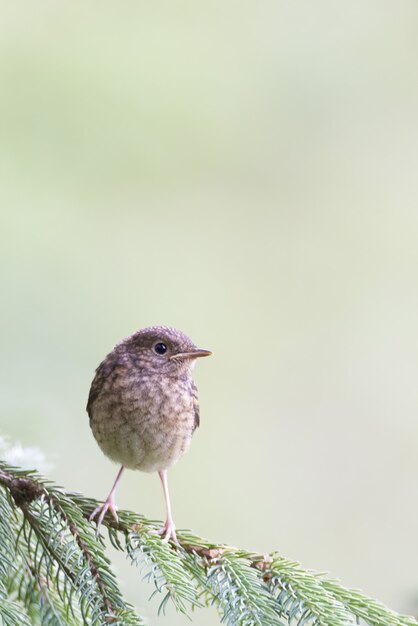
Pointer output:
246, 171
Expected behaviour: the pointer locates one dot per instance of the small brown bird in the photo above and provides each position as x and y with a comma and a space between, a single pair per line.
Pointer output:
143, 407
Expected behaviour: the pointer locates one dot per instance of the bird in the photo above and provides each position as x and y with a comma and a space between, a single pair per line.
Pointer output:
143, 408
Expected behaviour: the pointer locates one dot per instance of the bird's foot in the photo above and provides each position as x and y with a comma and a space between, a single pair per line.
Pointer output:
169, 532
108, 505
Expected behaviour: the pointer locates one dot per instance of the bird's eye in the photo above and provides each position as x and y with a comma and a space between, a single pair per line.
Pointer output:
160, 348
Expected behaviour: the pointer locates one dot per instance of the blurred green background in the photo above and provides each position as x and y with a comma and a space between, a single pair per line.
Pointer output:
247, 172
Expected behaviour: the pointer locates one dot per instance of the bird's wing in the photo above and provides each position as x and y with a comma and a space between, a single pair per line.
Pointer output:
104, 370
195, 406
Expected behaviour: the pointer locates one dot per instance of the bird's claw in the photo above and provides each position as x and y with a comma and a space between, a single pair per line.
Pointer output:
169, 532
101, 510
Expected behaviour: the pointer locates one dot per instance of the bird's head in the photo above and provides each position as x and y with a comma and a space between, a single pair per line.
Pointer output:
163, 349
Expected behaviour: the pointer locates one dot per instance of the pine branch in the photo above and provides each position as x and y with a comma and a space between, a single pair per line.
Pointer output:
54, 571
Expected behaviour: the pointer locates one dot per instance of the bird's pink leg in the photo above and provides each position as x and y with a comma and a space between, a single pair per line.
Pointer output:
108, 504
169, 530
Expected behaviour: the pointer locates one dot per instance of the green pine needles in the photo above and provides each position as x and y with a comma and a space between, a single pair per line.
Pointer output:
55, 572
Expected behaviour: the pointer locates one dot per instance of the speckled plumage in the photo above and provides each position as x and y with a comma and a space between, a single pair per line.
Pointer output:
143, 406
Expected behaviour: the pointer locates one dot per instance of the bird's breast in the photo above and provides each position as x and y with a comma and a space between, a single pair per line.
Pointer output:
144, 422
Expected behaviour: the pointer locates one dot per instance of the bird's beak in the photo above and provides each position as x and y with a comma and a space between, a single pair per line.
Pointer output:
193, 354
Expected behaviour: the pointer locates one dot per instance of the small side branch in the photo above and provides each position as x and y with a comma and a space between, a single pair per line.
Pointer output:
58, 547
